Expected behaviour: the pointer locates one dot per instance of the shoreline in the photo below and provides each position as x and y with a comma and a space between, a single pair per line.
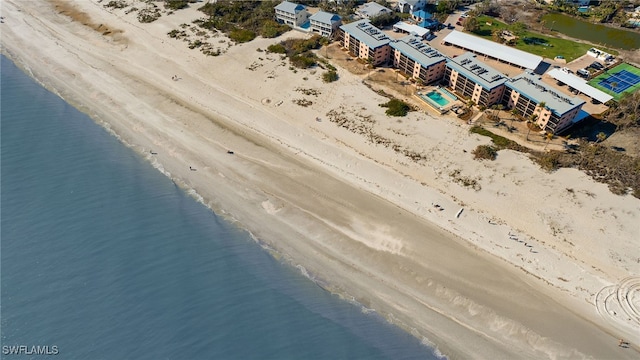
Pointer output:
285, 150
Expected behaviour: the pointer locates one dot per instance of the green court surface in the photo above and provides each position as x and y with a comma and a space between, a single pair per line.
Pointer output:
618, 81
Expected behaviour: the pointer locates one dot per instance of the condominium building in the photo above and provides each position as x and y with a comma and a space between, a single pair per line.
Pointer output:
552, 110
475, 80
417, 59
365, 41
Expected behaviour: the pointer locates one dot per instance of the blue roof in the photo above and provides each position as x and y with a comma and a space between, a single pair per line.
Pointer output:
289, 7
428, 23
422, 14
468, 65
325, 17
366, 33
412, 47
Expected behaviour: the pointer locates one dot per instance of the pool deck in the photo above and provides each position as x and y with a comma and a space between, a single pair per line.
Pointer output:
431, 104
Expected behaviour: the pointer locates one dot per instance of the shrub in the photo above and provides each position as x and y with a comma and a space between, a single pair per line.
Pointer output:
148, 15
242, 35
500, 141
485, 152
175, 4
330, 76
116, 4
277, 48
396, 107
548, 161
271, 29
303, 61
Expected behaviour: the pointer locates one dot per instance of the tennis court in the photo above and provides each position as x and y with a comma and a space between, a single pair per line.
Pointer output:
624, 78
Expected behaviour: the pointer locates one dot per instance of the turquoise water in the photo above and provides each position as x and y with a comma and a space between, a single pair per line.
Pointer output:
437, 98
104, 258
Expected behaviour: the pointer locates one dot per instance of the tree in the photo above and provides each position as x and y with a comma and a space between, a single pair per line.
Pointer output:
518, 28
492, 115
496, 34
500, 107
470, 104
626, 112
471, 24
515, 112
542, 105
531, 120
600, 137
549, 136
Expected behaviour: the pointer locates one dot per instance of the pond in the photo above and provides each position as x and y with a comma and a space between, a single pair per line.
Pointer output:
595, 33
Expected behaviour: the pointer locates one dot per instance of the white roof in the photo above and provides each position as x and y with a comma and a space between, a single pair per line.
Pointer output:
580, 85
410, 28
493, 49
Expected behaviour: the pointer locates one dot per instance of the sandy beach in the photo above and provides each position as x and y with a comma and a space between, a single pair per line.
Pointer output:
537, 265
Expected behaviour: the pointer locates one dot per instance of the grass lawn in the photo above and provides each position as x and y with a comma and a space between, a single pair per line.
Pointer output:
595, 82
545, 46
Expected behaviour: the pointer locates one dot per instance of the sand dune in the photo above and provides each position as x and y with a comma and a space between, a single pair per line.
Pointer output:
537, 265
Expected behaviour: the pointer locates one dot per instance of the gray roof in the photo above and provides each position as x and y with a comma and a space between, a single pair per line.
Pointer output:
493, 49
366, 33
372, 9
580, 85
289, 7
468, 65
410, 2
532, 87
413, 48
325, 17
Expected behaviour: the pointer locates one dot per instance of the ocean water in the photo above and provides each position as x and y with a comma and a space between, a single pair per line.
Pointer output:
102, 257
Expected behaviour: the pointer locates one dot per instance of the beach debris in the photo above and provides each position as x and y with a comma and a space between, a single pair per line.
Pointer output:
318, 119
192, 168
459, 212
622, 343
230, 152
153, 152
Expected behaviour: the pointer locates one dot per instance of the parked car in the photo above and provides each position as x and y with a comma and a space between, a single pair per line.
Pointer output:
584, 73
596, 65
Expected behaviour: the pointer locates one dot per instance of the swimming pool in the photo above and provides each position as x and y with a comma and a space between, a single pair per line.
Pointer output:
437, 98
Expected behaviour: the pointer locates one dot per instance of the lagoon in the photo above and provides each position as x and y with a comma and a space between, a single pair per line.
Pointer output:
596, 33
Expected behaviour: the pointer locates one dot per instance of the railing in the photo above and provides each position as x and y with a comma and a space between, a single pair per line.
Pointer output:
448, 93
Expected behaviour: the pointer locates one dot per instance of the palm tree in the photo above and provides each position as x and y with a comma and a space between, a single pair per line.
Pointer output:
542, 105
499, 107
470, 104
515, 112
600, 137
549, 137
614, 85
532, 119
493, 107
